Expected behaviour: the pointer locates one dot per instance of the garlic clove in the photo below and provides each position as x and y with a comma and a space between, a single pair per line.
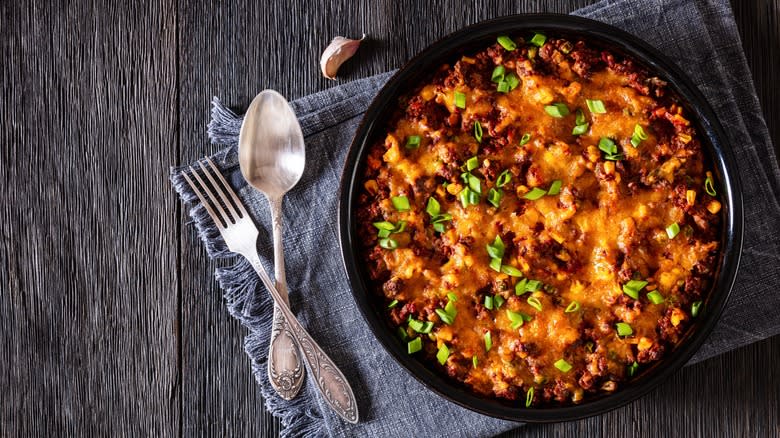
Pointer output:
338, 51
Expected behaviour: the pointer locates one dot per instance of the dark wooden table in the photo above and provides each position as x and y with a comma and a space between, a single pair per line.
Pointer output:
110, 319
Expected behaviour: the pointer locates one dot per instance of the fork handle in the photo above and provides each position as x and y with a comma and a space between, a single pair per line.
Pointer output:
327, 376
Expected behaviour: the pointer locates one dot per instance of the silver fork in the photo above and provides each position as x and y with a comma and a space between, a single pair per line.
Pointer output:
240, 234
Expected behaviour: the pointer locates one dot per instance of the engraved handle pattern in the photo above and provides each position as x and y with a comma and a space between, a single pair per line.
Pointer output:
329, 379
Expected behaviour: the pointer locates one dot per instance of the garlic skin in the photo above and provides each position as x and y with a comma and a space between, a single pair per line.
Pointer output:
338, 52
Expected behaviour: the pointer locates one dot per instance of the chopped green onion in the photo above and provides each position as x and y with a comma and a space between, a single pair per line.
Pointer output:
445, 317
400, 227
506, 43
632, 369
580, 129
460, 100
439, 218
383, 233
388, 243
526, 138
413, 142
498, 74
529, 397
401, 203
624, 329
535, 194
572, 307
498, 300
474, 360
557, 110
595, 106
503, 179
416, 325
533, 285
672, 230
639, 132
511, 271
466, 197
633, 287
695, 308
494, 197
655, 297
488, 302
496, 249
478, 131
516, 319
502, 87
402, 334
562, 365
443, 354
452, 297
472, 163
450, 309
392, 304
385, 225
473, 197
512, 80
579, 117
555, 187
538, 39
520, 286
474, 183
414, 345
608, 146
535, 303
616, 157
495, 264
709, 186
438, 227
433, 207
488, 341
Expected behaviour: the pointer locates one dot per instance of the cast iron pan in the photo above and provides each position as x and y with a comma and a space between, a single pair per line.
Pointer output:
714, 143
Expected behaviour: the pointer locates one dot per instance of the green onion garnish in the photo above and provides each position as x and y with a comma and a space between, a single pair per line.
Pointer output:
438, 227
538, 39
413, 142
439, 218
488, 341
633, 287
512, 80
624, 329
468, 197
401, 203
495, 264
418, 326
496, 249
709, 186
383, 233
498, 74
580, 129
433, 207
452, 297
445, 317
555, 187
529, 397
488, 302
472, 163
672, 230
520, 286
392, 304
384, 225
516, 319
450, 309
638, 136
503, 179
498, 300
608, 146
494, 197
400, 227
557, 110
535, 194
595, 106
579, 117
460, 100
478, 131
388, 243
506, 42
572, 307
511, 271
535, 303
474, 360
502, 87
695, 308
533, 285
402, 334
526, 138
562, 365
414, 346
655, 297
443, 354
632, 368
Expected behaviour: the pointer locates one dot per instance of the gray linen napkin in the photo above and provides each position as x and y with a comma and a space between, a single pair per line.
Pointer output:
701, 37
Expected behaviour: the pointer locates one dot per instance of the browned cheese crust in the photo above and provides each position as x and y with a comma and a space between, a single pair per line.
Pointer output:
562, 283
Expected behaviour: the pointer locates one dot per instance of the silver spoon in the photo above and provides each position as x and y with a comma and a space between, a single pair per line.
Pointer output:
272, 155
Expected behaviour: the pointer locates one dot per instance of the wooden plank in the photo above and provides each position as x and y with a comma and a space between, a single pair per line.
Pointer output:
87, 315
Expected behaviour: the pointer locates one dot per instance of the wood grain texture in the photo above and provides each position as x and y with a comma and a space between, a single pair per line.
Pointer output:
110, 320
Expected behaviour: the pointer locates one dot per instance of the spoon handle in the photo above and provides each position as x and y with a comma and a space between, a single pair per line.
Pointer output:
329, 379
285, 370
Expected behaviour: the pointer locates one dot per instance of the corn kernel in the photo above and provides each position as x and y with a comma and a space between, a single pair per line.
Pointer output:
558, 238
690, 196
685, 138
644, 344
371, 186
677, 316
609, 167
454, 188
713, 207
593, 154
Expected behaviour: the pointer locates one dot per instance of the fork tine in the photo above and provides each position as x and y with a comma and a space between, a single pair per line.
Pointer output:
217, 220
225, 199
239, 205
214, 202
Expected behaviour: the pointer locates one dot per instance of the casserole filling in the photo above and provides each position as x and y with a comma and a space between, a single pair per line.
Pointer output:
539, 221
